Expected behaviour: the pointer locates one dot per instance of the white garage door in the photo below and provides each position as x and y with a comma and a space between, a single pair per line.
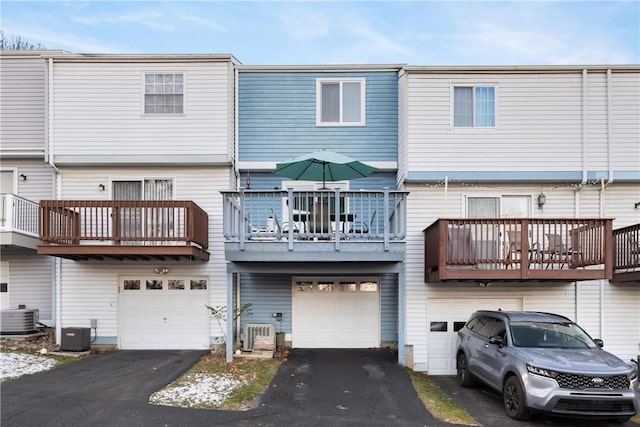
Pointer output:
445, 317
163, 314
336, 313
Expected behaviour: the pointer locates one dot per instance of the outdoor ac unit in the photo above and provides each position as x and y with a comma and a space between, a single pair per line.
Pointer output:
252, 330
19, 322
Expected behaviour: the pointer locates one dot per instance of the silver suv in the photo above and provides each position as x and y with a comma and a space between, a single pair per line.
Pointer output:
543, 362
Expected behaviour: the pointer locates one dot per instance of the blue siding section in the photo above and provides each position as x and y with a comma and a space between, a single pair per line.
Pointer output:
267, 294
277, 117
272, 293
389, 308
268, 181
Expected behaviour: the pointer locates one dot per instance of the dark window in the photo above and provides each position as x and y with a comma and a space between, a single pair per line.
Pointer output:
438, 327
489, 326
457, 326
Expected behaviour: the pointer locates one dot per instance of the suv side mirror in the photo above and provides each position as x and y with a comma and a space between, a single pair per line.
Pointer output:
599, 342
496, 340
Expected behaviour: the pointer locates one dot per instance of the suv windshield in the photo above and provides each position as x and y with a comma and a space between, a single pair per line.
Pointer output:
550, 335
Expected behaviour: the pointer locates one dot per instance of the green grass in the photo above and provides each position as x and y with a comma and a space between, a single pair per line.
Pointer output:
437, 402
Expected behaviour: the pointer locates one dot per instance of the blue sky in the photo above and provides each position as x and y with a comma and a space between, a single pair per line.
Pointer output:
352, 32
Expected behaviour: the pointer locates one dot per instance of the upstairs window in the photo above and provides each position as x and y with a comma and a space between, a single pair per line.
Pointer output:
474, 106
340, 102
163, 93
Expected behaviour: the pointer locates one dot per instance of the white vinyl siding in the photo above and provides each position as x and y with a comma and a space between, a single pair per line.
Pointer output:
613, 319
403, 136
106, 118
340, 102
539, 128
90, 291
22, 122
30, 282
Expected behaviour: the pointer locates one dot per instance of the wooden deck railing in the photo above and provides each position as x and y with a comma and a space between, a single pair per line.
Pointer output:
123, 222
627, 253
518, 249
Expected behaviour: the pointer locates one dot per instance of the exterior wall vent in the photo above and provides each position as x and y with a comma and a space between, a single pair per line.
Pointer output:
252, 330
19, 322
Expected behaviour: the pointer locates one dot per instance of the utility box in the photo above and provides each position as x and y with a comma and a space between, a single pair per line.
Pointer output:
76, 339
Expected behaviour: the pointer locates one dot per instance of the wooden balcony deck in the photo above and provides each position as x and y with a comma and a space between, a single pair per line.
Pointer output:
314, 226
123, 230
528, 249
627, 254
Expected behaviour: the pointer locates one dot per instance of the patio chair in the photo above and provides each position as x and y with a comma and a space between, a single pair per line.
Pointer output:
361, 227
320, 218
461, 251
514, 250
558, 251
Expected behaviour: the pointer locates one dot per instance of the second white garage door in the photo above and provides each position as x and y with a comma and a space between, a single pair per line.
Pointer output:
445, 317
336, 313
163, 314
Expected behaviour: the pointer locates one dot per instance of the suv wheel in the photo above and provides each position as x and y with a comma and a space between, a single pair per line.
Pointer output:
513, 397
462, 368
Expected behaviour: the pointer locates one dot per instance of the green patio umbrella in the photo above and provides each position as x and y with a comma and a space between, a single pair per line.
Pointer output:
323, 165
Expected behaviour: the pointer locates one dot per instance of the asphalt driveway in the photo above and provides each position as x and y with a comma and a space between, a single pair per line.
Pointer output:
312, 388
485, 406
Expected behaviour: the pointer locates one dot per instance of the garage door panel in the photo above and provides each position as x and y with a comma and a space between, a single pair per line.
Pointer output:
336, 316
163, 318
443, 315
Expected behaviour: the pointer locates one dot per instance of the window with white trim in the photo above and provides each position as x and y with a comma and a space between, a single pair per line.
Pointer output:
474, 106
163, 93
340, 102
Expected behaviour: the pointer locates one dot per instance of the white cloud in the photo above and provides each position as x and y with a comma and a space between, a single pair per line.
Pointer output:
144, 18
203, 22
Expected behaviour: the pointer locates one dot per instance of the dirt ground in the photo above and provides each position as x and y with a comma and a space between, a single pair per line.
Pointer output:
34, 344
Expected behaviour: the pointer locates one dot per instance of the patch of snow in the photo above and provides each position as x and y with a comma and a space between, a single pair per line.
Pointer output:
14, 365
198, 389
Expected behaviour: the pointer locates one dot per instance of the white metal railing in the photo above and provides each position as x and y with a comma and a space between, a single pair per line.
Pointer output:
18, 215
320, 215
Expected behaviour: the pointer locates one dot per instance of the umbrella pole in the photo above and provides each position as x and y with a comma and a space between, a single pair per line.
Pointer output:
324, 169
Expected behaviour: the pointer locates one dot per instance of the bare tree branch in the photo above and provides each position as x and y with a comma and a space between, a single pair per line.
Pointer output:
13, 42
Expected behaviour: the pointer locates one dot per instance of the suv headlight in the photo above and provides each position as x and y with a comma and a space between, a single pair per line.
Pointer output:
542, 372
633, 375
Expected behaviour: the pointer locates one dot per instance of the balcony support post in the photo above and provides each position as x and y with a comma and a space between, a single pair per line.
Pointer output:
336, 222
608, 249
387, 223
525, 248
229, 325
290, 205
243, 220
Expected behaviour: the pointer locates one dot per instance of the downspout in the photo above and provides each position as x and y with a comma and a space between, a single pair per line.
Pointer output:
58, 195
446, 195
603, 186
601, 284
576, 202
236, 138
585, 147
